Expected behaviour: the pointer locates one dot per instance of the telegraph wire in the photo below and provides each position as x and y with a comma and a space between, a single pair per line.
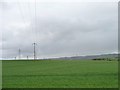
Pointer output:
35, 42
21, 13
30, 15
33, 29
35, 22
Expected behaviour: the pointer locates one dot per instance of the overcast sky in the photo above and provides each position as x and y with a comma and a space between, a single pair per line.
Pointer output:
58, 28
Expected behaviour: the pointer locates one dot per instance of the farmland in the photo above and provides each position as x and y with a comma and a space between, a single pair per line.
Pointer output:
60, 74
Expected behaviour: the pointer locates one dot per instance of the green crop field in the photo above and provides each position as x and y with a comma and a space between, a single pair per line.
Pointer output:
60, 74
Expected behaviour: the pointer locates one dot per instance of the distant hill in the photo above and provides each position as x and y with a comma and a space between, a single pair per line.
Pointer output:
88, 57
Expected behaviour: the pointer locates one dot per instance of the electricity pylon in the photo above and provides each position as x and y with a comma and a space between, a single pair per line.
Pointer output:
34, 46
19, 54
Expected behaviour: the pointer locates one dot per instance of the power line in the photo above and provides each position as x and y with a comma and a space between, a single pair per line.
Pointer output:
35, 27
35, 22
34, 44
30, 15
20, 9
23, 19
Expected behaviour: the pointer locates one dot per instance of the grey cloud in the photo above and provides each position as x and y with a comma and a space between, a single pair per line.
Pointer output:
63, 29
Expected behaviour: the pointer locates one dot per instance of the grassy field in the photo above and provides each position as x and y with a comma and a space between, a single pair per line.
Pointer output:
60, 74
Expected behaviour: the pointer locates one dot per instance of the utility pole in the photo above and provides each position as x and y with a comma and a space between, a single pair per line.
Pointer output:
34, 44
19, 54
15, 58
